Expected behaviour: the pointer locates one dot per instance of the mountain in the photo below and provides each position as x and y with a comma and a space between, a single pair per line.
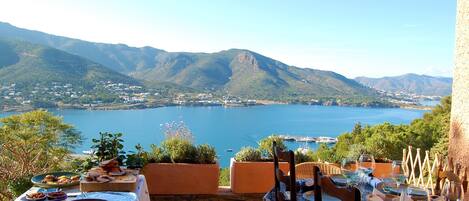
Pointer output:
234, 72
26, 63
411, 84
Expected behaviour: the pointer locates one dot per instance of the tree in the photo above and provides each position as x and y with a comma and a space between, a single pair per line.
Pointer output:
385, 141
32, 143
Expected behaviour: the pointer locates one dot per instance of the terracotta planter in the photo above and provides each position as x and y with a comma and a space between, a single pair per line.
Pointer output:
253, 177
181, 178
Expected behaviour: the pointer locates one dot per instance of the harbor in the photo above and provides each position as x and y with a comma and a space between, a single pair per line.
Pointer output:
320, 139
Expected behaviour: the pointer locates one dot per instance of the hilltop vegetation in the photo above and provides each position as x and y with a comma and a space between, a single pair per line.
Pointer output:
25, 63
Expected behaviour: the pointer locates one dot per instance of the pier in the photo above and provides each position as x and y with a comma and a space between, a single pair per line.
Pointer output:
320, 139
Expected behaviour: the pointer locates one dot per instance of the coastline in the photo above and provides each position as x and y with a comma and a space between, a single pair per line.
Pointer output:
150, 106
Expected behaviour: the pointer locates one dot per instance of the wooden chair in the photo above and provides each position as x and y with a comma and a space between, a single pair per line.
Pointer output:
280, 176
451, 172
325, 184
305, 170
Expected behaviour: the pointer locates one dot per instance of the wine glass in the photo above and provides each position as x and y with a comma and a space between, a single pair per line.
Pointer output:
452, 191
366, 164
398, 174
347, 168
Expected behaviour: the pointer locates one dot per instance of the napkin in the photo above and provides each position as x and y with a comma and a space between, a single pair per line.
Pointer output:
373, 181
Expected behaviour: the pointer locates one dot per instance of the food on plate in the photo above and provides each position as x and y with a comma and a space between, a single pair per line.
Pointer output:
35, 196
110, 166
60, 195
54, 180
96, 176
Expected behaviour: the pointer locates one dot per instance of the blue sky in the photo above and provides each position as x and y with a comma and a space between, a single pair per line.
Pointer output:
352, 37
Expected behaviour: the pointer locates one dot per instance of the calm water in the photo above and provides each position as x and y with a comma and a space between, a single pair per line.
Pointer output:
230, 128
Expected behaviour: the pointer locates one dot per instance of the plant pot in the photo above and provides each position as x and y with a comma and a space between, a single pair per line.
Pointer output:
253, 177
181, 178
382, 170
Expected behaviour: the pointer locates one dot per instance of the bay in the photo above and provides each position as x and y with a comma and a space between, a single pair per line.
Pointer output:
232, 127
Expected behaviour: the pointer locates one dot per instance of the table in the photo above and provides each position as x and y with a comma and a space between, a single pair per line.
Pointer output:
140, 194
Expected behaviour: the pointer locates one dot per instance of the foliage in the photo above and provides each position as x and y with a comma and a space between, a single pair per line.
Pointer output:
20, 185
180, 150
224, 179
304, 156
206, 154
136, 159
109, 146
386, 141
248, 154
157, 155
265, 145
178, 147
32, 143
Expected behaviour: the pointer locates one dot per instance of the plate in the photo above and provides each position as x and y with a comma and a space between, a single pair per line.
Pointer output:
389, 188
37, 180
339, 179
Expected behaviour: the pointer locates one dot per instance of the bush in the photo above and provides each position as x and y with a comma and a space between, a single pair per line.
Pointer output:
177, 150
224, 179
248, 154
180, 150
265, 146
206, 154
302, 156
157, 155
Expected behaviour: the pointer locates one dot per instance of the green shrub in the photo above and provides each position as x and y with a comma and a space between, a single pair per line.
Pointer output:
180, 150
301, 157
157, 155
19, 186
224, 179
248, 154
265, 146
206, 154
177, 150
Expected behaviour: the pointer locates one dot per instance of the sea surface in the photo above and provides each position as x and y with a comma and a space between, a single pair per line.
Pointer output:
232, 127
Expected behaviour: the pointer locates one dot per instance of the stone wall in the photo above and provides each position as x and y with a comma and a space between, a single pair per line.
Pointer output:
459, 135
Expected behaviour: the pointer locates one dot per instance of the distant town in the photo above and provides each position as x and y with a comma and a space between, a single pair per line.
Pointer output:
109, 95
105, 95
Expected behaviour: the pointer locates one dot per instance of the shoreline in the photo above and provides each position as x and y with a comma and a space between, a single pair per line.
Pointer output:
152, 106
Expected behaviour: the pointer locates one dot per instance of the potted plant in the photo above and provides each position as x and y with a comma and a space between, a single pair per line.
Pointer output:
252, 169
178, 166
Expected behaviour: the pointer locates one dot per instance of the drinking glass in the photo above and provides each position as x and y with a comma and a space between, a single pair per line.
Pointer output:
366, 164
398, 174
452, 191
347, 168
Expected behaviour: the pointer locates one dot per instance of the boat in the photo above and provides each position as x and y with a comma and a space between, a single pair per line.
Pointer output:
229, 150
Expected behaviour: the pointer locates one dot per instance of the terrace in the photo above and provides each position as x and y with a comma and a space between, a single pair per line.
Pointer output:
168, 174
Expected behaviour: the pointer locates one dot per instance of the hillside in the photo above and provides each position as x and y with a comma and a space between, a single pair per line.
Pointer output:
411, 84
25, 64
234, 72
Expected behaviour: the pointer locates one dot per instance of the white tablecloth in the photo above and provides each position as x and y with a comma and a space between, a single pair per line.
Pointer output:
140, 193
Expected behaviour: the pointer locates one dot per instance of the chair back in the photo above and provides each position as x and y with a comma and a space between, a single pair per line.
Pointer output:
451, 172
327, 185
306, 170
280, 176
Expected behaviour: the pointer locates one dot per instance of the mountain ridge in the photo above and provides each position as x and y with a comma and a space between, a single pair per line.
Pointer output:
410, 83
237, 72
